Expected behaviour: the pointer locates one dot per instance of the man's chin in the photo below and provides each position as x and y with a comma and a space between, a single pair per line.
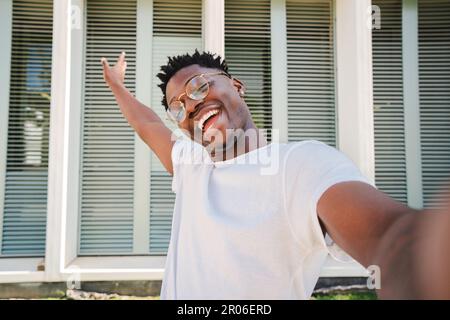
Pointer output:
212, 137
213, 147
215, 140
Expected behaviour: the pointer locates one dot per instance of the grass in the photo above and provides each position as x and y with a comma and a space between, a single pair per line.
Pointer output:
345, 296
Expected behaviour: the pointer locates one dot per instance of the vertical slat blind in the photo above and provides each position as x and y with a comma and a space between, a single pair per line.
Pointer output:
107, 174
434, 84
248, 54
24, 216
390, 162
177, 29
311, 76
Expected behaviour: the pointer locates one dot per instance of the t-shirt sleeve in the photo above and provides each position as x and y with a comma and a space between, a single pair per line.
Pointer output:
177, 151
312, 167
186, 152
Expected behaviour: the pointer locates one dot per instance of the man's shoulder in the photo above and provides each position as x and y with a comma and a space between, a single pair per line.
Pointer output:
304, 147
307, 154
304, 143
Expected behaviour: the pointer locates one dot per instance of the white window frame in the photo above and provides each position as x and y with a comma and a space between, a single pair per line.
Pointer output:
354, 84
279, 69
13, 270
58, 168
142, 168
213, 26
411, 101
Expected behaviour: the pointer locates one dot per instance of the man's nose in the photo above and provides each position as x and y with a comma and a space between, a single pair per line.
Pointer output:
191, 105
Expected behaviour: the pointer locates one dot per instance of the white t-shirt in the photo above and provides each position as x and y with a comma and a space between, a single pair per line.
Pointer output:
247, 228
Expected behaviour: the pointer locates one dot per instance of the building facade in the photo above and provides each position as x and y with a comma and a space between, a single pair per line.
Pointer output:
81, 194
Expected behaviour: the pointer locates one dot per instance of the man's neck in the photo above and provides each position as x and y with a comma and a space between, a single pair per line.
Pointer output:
250, 139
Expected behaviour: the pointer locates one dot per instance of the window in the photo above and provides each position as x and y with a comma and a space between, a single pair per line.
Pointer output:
25, 197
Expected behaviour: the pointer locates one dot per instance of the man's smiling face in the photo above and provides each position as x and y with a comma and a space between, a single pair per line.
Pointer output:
223, 108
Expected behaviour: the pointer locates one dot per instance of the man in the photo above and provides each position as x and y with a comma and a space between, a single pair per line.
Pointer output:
240, 232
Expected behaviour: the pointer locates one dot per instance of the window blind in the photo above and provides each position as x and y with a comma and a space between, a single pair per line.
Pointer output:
311, 76
25, 201
248, 54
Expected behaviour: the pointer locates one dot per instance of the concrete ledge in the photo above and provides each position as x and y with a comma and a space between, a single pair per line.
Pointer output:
37, 290
33, 290
126, 288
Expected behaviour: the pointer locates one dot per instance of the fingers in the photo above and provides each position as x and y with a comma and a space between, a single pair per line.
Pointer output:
104, 62
121, 59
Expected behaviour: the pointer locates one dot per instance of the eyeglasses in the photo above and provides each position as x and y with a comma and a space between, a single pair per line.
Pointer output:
196, 88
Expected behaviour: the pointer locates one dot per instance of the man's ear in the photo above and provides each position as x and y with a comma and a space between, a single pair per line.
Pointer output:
240, 86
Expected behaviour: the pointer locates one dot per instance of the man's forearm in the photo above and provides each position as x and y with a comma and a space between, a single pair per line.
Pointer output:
134, 111
413, 257
396, 261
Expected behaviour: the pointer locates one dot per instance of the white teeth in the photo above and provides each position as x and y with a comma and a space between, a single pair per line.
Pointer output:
205, 117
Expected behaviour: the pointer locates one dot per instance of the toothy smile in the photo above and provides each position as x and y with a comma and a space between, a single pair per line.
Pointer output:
206, 121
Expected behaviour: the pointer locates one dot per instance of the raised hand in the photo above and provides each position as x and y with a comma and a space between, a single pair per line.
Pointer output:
114, 76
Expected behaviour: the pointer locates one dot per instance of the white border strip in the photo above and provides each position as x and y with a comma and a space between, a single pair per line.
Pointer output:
142, 159
213, 26
59, 140
71, 224
354, 84
279, 69
411, 103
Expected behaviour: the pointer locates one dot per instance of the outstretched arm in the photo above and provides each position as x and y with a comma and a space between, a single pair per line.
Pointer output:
147, 124
409, 246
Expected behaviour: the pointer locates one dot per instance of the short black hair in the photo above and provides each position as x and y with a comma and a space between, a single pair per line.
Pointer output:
175, 63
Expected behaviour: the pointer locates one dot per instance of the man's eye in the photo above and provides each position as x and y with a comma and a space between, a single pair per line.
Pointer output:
202, 88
